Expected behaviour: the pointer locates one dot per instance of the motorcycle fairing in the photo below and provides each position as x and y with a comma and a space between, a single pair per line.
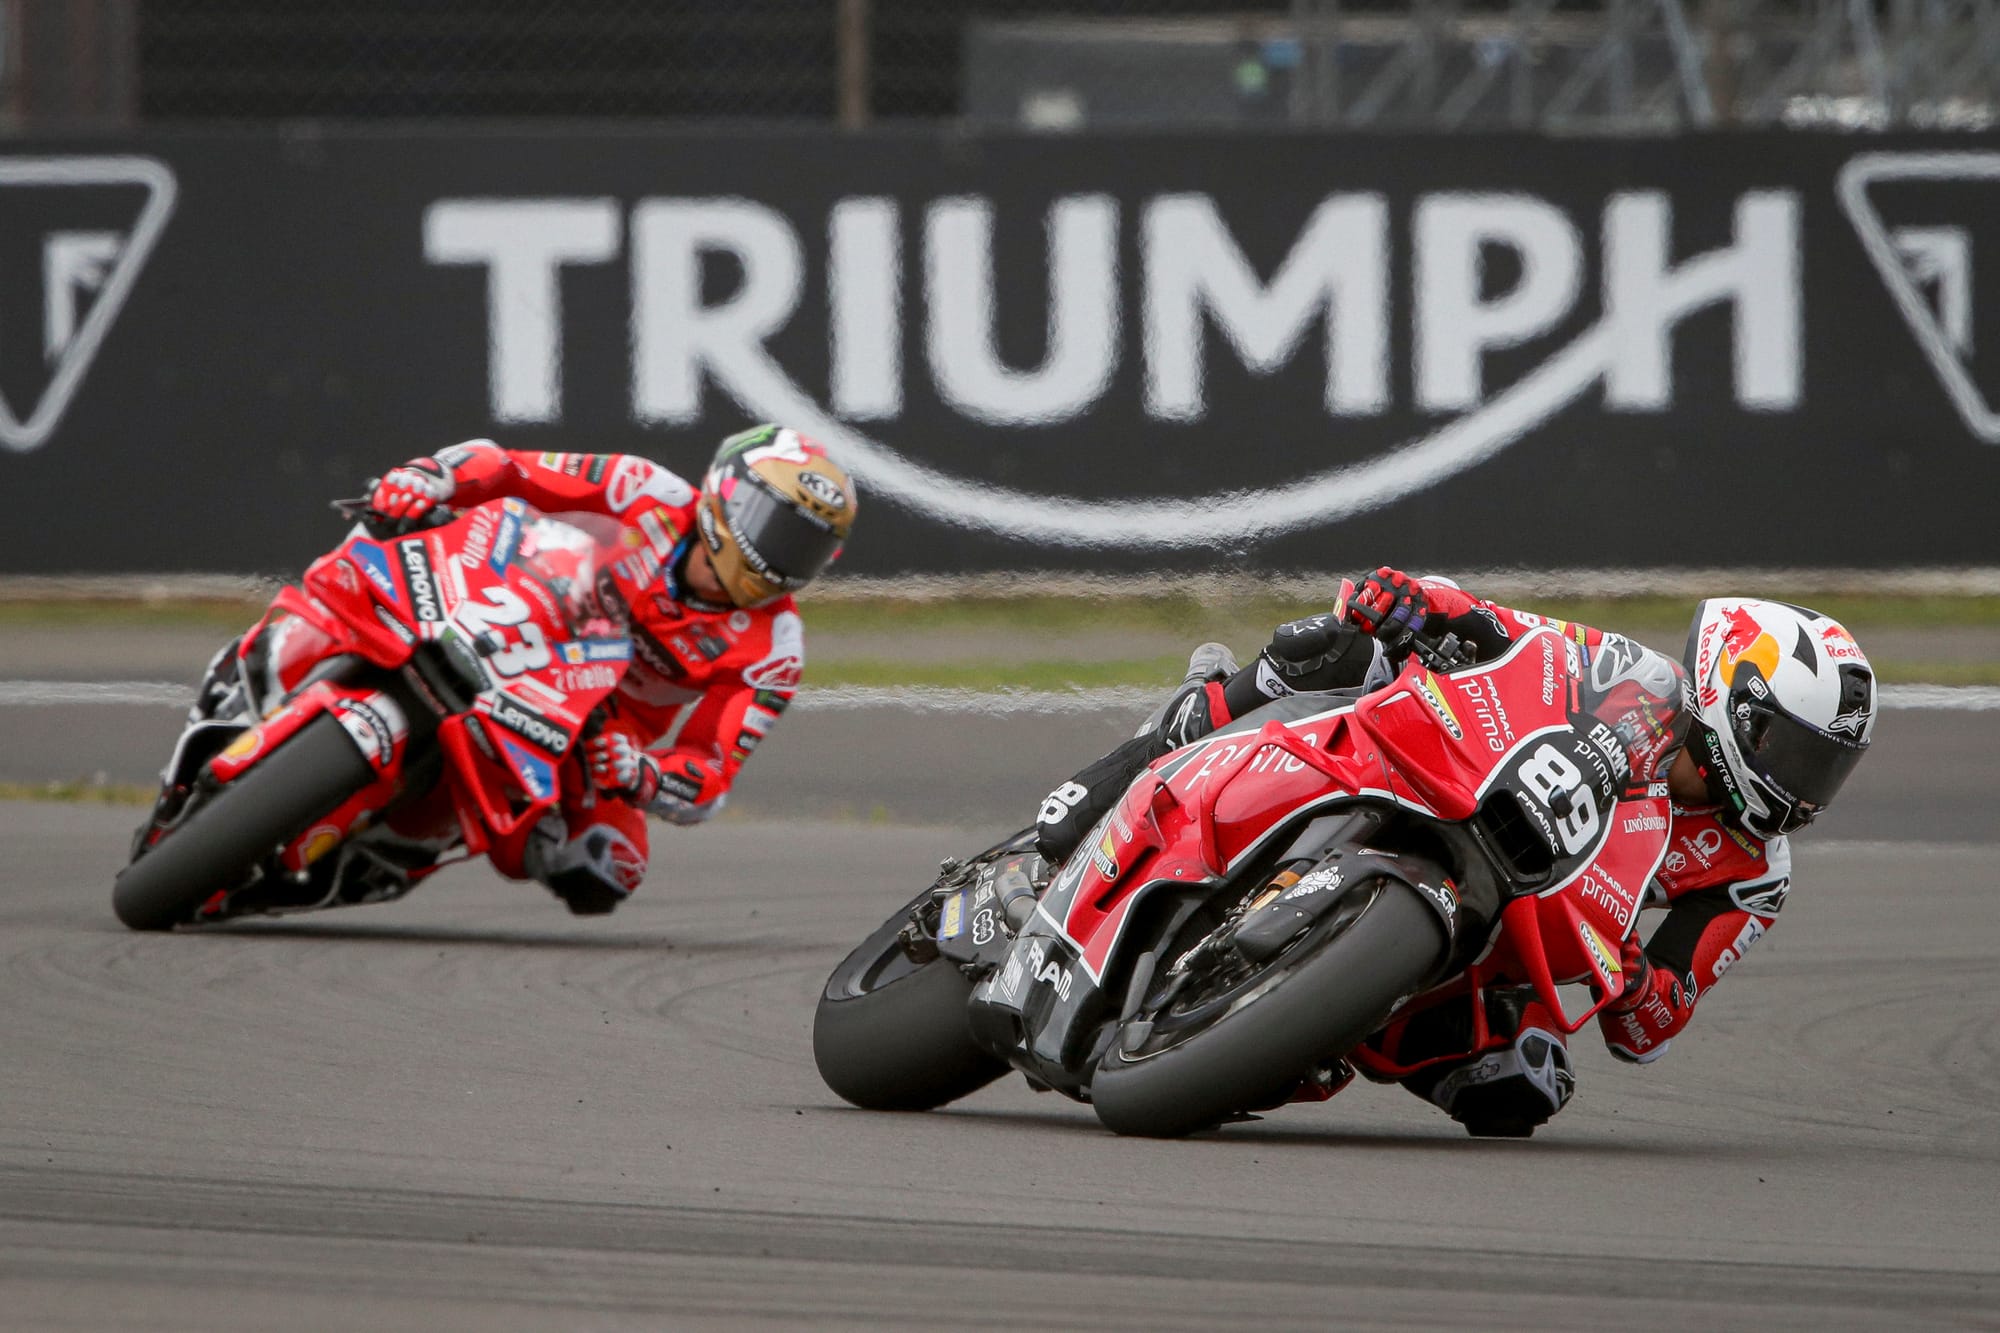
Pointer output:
506, 642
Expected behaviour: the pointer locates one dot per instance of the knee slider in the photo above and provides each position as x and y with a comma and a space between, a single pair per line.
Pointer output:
1525, 1083
591, 873
1319, 653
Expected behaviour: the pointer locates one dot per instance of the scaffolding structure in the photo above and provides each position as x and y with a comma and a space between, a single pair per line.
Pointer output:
1561, 66
1612, 66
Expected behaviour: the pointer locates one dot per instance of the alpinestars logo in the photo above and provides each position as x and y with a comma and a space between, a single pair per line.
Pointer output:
1920, 217
75, 232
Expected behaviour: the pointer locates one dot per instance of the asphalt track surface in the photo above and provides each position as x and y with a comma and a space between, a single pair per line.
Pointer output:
469, 1110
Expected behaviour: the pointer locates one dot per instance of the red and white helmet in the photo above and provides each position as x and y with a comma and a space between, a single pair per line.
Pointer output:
1784, 706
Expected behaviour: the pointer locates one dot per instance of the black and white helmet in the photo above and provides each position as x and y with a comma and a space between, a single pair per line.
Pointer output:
1784, 706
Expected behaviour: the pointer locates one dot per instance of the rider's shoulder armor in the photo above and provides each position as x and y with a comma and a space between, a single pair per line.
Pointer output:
1706, 851
632, 482
763, 647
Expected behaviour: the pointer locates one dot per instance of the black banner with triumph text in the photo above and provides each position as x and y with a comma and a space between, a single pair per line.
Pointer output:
1096, 353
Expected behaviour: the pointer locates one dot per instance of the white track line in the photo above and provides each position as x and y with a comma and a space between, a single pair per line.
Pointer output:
909, 699
1509, 584
46, 693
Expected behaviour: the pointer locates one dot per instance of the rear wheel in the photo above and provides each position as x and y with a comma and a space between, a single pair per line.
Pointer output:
1238, 1036
220, 844
892, 1034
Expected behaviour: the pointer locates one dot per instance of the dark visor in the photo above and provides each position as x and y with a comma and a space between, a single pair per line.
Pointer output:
778, 541
1803, 762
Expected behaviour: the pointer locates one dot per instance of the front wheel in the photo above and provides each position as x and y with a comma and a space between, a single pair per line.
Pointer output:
1240, 1038
221, 843
891, 1034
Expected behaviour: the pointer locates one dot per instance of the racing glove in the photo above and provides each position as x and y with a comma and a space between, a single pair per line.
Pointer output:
1388, 604
682, 789
618, 767
407, 493
1638, 1026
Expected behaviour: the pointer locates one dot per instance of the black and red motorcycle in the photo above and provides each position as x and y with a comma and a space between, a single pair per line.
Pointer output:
1270, 909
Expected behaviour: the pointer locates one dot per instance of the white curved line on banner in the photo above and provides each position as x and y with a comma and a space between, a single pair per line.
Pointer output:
1158, 522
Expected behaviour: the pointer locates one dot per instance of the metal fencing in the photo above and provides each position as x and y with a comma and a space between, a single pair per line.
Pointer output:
1575, 66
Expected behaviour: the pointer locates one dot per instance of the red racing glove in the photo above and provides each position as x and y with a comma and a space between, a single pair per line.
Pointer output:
1638, 1025
1388, 604
405, 494
620, 768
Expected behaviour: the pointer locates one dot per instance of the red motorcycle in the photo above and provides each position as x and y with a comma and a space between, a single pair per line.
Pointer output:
1271, 908
414, 698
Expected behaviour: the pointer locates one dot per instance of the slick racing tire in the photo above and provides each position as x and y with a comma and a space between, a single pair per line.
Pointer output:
893, 1035
1247, 1044
224, 840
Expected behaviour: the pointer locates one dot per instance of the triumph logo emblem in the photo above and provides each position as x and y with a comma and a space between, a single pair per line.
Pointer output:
1926, 261
75, 213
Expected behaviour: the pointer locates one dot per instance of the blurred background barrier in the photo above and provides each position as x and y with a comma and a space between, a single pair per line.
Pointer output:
1563, 65
1106, 286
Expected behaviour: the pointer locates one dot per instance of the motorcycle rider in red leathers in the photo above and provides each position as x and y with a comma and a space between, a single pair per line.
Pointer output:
717, 642
1777, 707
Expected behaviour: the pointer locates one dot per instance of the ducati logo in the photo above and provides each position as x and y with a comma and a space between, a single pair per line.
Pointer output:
1920, 217
74, 232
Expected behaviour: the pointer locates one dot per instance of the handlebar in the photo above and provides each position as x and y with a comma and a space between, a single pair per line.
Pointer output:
1439, 654
380, 526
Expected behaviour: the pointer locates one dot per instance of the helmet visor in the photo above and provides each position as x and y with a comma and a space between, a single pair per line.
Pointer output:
1799, 760
779, 541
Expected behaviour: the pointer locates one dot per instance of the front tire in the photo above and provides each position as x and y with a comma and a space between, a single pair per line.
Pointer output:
266, 807
1315, 1001
894, 1035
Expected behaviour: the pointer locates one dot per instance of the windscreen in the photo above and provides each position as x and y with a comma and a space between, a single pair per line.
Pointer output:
566, 551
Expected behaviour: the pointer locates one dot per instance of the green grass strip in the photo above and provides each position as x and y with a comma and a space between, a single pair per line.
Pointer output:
1053, 617
78, 793
1165, 672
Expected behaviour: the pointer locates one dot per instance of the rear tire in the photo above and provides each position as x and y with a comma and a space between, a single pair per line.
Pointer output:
273, 802
892, 1035
1328, 996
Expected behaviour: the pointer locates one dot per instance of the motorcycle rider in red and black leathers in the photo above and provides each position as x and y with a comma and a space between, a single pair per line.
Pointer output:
1778, 705
706, 594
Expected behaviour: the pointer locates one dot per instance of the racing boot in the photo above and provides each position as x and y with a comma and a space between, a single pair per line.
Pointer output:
220, 710
1190, 713
220, 693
